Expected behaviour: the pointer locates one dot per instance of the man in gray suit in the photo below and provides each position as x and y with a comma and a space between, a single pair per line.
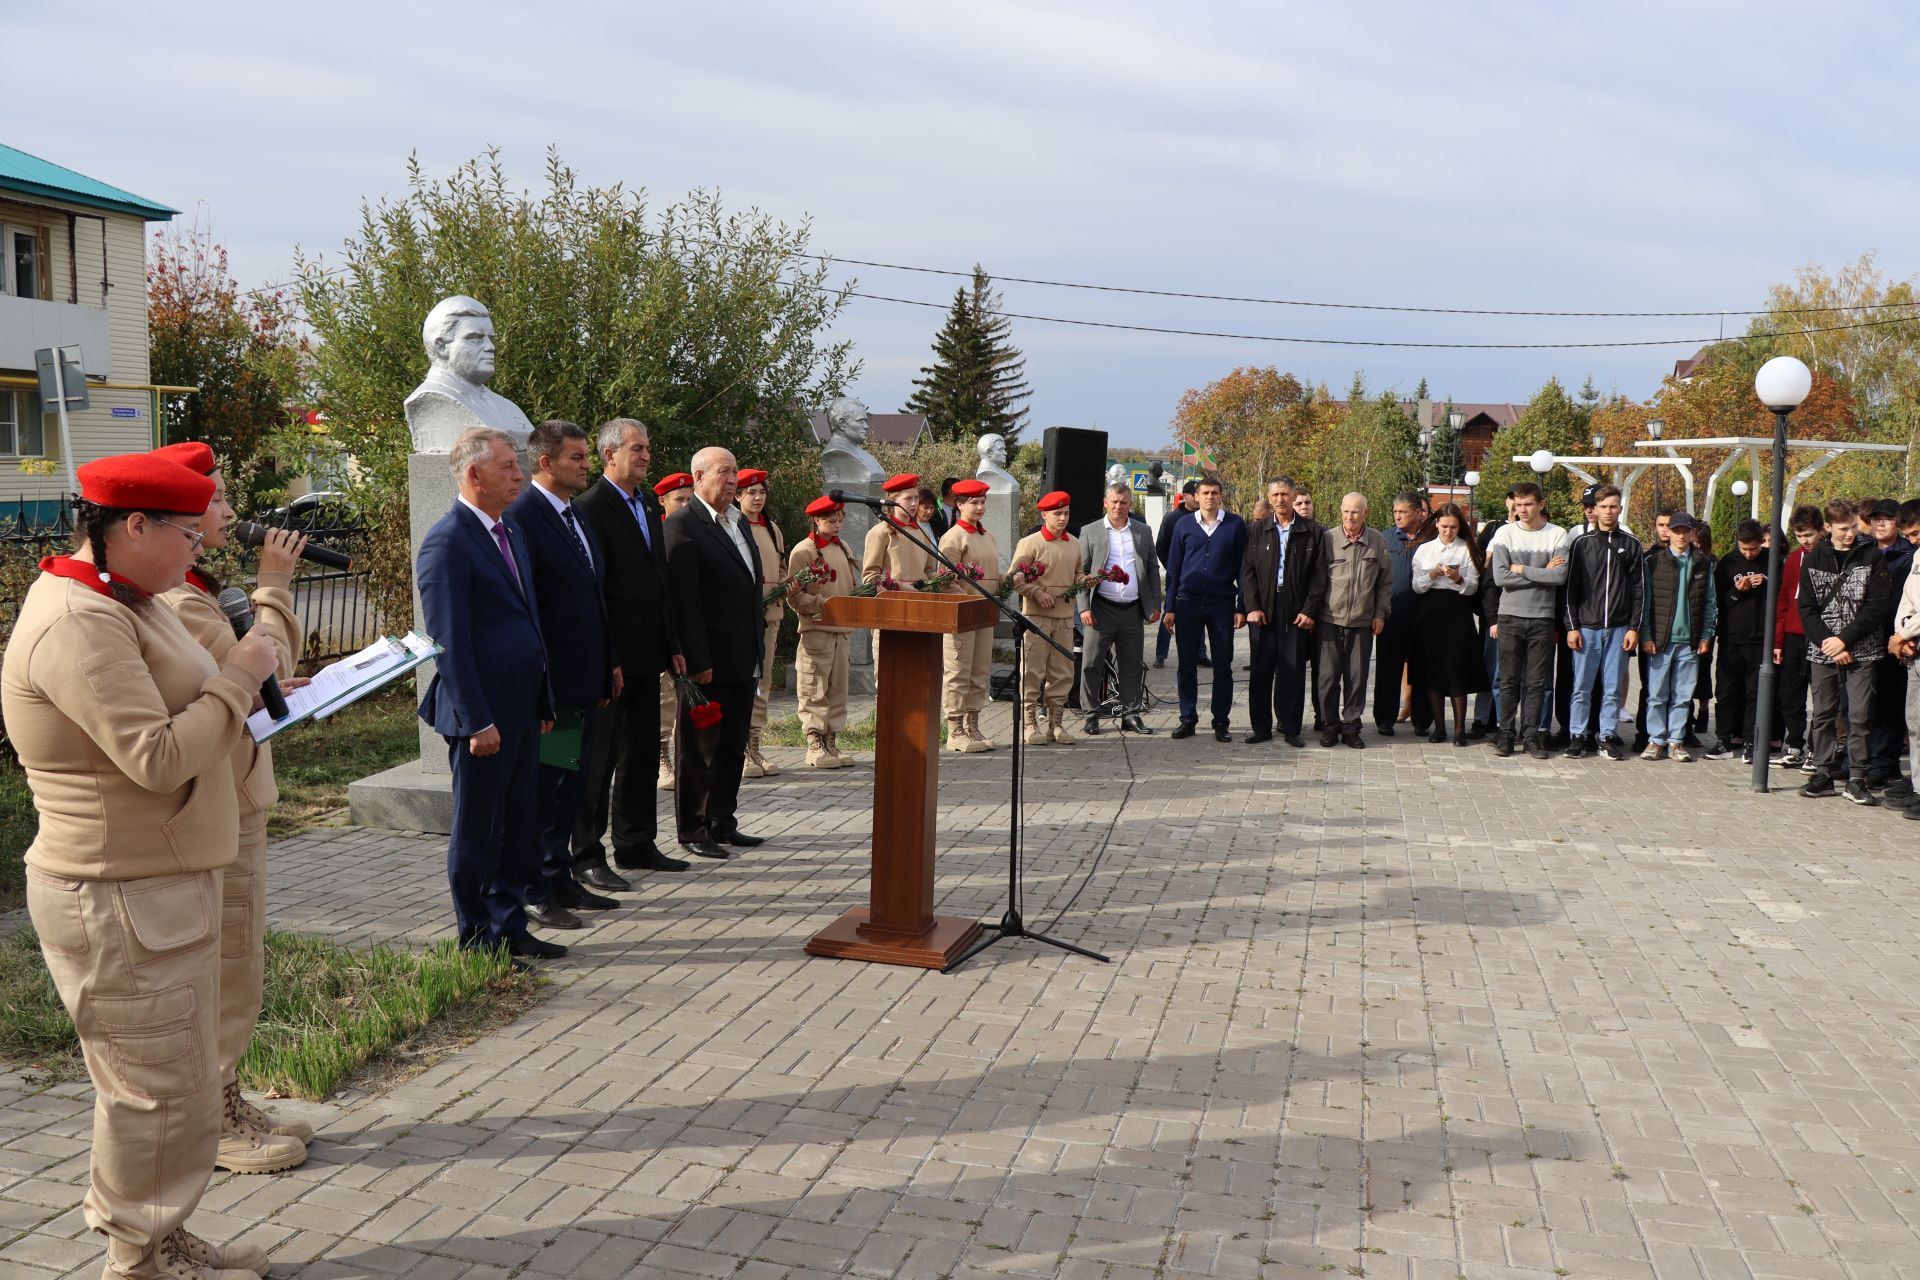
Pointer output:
1118, 612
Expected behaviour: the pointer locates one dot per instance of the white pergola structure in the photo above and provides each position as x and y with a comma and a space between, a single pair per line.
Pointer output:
1626, 470
1750, 447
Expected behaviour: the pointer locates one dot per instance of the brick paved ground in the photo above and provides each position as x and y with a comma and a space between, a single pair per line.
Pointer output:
1401, 1012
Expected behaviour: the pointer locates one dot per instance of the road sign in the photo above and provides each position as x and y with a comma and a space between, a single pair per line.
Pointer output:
1140, 480
70, 380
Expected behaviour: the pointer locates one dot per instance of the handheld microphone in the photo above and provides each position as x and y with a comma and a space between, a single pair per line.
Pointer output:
251, 533
842, 496
239, 611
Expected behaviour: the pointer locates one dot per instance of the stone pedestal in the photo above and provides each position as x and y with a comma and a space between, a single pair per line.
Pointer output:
418, 795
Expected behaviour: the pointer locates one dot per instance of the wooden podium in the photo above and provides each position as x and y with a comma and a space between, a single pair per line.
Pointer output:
897, 926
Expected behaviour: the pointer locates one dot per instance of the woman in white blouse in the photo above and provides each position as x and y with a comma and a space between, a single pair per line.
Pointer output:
1447, 570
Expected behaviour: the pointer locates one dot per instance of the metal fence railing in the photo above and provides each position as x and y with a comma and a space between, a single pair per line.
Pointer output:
336, 612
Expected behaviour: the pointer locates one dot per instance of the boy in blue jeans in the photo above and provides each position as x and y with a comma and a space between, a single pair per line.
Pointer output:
1676, 628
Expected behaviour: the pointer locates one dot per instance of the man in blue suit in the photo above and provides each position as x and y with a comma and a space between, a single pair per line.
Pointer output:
489, 697
568, 565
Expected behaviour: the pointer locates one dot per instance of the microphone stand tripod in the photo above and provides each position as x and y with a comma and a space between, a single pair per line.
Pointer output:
1012, 924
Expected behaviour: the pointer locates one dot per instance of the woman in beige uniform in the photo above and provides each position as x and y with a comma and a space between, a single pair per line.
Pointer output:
127, 728
820, 666
771, 545
251, 1140
674, 491
889, 552
1047, 598
970, 653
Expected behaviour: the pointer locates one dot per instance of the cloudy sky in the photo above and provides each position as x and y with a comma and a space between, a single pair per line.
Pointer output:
1524, 156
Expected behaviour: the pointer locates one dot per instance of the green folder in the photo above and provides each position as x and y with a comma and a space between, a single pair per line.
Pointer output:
562, 746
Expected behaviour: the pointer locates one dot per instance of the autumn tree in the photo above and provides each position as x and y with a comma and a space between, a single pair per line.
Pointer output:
1368, 452
699, 322
1255, 422
1551, 421
977, 381
242, 351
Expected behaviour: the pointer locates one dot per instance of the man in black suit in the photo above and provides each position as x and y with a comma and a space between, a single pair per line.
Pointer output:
567, 564
1282, 558
941, 518
717, 592
625, 518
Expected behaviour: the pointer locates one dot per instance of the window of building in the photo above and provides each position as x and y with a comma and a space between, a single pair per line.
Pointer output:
22, 264
21, 430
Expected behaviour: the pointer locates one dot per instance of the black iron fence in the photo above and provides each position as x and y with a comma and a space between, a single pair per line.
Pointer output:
336, 612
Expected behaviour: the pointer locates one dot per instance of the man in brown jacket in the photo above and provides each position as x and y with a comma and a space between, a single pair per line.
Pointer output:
127, 729
1352, 594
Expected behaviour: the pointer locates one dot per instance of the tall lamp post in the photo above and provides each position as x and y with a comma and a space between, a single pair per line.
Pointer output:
1473, 484
1782, 383
1656, 428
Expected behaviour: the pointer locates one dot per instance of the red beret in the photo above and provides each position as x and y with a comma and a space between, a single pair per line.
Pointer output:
824, 507
897, 484
1055, 501
752, 476
678, 480
142, 482
194, 455
970, 489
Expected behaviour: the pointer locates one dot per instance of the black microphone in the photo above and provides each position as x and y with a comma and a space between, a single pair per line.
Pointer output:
842, 496
239, 611
252, 533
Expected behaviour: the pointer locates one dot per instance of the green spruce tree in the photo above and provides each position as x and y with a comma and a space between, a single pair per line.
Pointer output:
977, 381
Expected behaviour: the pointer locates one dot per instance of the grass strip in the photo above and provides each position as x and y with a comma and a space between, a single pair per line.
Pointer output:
330, 1012
786, 732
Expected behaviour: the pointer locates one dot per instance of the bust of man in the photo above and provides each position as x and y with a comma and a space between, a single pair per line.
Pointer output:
993, 464
458, 334
844, 459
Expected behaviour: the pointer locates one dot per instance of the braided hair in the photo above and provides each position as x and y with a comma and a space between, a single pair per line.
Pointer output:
92, 524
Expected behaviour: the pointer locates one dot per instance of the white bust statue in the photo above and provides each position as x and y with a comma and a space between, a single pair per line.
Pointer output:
844, 459
458, 334
993, 464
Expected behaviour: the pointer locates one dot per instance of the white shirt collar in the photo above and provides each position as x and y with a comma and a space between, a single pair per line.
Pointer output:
558, 503
486, 521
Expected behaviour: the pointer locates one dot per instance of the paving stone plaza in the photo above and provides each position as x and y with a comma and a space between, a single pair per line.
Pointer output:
1407, 1011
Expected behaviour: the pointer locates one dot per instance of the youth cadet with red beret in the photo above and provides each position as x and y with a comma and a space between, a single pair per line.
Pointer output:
820, 666
969, 654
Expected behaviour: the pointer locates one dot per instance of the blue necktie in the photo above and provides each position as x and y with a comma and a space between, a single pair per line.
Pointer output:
640, 514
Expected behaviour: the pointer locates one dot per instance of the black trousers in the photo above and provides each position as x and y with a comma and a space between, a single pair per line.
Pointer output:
1737, 682
1276, 687
1795, 676
1119, 627
622, 778
1886, 741
557, 798
1526, 665
708, 763
1392, 654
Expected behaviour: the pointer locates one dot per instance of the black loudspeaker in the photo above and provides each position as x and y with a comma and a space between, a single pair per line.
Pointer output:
1076, 461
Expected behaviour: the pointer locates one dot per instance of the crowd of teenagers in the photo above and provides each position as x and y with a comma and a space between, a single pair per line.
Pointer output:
1525, 629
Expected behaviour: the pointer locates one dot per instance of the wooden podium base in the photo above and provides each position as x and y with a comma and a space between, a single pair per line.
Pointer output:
852, 938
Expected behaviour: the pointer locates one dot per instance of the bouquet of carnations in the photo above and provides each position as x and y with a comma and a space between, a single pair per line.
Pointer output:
886, 583
948, 577
818, 571
1020, 571
703, 712
1090, 583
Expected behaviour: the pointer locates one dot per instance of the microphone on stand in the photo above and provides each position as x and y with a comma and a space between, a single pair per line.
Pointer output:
251, 533
239, 611
842, 496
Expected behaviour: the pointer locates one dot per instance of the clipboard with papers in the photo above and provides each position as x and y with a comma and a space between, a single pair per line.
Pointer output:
345, 682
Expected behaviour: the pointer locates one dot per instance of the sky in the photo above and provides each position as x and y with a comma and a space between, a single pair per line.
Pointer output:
1512, 156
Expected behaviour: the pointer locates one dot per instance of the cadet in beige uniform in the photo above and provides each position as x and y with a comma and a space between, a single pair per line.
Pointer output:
820, 667
889, 552
1047, 678
251, 1140
127, 729
674, 492
772, 546
969, 654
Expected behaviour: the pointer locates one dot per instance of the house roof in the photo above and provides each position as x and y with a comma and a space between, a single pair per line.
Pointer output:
1684, 369
31, 176
882, 428
1501, 415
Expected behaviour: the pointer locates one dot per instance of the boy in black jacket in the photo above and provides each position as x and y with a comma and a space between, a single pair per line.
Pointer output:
1843, 603
1740, 580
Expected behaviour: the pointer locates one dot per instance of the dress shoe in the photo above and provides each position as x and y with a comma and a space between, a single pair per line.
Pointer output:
1295, 740
597, 875
1221, 733
1186, 729
1353, 739
528, 947
741, 840
551, 915
1092, 727
705, 849
1134, 724
574, 896
1254, 738
646, 857
1329, 737
1384, 730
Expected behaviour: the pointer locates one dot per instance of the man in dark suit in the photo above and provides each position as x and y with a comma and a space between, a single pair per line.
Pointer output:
625, 518
717, 592
567, 563
1279, 567
489, 697
941, 518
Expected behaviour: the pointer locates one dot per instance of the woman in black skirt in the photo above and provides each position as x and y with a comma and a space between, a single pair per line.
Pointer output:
1447, 571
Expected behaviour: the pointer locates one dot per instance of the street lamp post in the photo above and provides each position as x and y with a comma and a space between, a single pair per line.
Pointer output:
1656, 428
1426, 457
1782, 383
1472, 479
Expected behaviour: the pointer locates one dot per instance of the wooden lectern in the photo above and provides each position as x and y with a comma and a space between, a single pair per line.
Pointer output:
897, 926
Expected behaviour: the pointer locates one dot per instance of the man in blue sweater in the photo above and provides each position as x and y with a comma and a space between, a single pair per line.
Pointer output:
1203, 602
